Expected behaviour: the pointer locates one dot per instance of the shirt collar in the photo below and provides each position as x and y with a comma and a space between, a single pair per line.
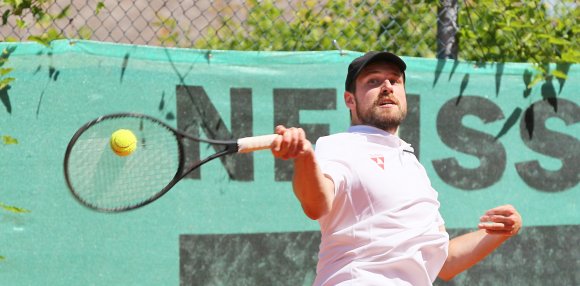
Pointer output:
388, 138
366, 129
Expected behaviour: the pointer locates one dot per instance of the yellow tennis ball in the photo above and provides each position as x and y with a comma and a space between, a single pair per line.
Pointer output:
123, 142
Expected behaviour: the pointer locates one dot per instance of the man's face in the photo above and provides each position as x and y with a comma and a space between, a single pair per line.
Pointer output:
380, 98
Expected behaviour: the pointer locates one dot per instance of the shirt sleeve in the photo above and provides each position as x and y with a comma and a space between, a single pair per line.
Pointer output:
330, 164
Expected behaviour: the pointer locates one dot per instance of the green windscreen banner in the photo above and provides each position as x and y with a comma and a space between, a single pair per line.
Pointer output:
486, 133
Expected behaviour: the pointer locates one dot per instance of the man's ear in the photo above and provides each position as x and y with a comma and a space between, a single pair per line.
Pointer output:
349, 100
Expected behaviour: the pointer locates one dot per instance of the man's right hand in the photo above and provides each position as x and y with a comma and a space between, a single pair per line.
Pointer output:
291, 144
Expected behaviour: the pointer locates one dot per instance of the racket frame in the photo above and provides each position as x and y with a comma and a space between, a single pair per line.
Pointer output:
231, 146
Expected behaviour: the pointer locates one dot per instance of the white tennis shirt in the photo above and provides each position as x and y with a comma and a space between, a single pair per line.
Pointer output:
383, 228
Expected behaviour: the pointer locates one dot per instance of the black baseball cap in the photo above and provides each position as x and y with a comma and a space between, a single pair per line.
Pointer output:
358, 64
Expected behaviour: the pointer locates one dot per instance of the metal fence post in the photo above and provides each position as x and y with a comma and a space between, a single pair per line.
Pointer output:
447, 44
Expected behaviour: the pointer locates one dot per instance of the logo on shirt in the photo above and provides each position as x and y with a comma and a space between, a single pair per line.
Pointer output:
379, 160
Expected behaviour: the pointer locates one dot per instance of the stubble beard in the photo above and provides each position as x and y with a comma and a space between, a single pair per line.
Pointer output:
384, 119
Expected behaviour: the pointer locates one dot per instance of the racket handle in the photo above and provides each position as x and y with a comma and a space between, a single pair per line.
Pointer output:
251, 144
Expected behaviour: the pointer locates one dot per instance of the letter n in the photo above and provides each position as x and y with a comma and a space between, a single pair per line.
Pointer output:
195, 112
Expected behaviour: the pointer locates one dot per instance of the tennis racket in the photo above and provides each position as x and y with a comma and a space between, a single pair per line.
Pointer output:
104, 181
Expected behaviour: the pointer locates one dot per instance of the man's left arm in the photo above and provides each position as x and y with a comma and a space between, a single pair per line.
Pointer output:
496, 226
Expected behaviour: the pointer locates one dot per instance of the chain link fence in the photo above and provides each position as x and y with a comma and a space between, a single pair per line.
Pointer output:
419, 28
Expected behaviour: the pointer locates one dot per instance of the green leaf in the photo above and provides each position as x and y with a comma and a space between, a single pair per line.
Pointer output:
537, 79
558, 41
13, 208
5, 71
40, 40
85, 33
20, 24
100, 7
559, 74
63, 13
11, 39
5, 17
571, 56
8, 140
6, 82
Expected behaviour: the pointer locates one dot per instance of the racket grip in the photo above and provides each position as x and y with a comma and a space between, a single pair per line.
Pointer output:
251, 144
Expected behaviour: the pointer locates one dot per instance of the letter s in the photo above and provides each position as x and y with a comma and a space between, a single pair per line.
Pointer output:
554, 144
490, 152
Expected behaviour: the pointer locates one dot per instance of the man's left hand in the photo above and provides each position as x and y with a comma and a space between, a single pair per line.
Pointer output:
503, 220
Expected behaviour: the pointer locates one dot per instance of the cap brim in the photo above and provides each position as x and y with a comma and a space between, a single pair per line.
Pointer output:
385, 56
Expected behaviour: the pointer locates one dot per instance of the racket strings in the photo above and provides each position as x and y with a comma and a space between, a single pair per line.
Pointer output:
106, 181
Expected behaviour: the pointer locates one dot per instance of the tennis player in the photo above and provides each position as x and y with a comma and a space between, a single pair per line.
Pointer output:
378, 213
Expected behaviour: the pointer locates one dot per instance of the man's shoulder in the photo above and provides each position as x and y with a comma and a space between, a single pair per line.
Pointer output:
339, 144
337, 138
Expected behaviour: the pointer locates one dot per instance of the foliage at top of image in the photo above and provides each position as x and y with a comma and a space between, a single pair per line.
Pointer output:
526, 31
355, 25
27, 13
532, 31
36, 9
488, 30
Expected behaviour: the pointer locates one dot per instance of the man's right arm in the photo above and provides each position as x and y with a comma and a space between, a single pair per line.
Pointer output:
313, 189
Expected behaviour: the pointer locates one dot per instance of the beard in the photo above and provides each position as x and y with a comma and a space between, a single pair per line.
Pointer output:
385, 119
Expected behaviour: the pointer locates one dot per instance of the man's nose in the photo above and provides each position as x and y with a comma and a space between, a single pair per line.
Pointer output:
387, 87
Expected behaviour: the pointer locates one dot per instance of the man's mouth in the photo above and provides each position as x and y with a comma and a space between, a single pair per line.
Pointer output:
386, 102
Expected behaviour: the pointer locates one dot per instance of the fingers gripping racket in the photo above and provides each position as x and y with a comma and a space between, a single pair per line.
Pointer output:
103, 180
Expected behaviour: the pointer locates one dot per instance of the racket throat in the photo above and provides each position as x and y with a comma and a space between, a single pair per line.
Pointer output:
230, 148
